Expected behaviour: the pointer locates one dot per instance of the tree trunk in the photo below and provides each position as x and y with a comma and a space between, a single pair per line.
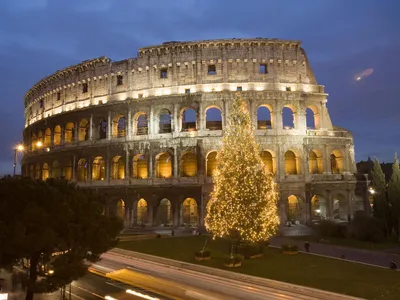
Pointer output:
34, 260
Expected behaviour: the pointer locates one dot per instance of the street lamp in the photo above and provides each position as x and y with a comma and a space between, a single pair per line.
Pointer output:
18, 148
39, 144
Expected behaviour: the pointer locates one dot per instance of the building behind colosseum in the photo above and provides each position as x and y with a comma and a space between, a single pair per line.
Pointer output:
145, 131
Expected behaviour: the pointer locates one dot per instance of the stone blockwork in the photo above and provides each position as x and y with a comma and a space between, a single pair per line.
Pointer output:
145, 131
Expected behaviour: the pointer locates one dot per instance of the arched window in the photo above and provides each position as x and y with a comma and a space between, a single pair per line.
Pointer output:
47, 137
188, 119
37, 171
82, 170
140, 166
288, 118
45, 171
118, 168
213, 119
290, 163
312, 117
67, 170
264, 118
141, 124
142, 211
165, 121
315, 162
69, 133
40, 136
56, 170
164, 213
163, 165
189, 165
336, 162
293, 209
103, 129
83, 130
268, 161
57, 135
119, 127
190, 214
121, 209
98, 168
211, 164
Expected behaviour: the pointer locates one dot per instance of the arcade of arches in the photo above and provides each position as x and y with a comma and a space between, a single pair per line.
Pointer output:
163, 213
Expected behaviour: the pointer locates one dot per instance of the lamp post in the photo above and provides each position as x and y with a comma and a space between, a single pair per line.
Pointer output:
18, 148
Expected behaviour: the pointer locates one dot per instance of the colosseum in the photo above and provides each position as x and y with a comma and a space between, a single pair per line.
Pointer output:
145, 131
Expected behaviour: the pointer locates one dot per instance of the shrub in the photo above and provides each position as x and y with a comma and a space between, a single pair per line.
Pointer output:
290, 248
205, 253
366, 228
233, 259
248, 250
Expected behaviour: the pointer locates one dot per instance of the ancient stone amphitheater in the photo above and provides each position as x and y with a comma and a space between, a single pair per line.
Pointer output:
145, 131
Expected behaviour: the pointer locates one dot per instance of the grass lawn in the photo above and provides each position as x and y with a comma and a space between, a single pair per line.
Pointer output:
352, 243
308, 270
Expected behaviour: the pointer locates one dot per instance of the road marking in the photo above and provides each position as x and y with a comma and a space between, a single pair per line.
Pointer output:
87, 291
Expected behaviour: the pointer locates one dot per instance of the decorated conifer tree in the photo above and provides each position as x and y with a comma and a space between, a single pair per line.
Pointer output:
394, 195
243, 204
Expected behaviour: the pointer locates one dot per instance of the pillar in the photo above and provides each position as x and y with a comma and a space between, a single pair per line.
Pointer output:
277, 117
74, 167
176, 120
150, 164
76, 132
327, 167
90, 127
129, 125
176, 213
176, 171
329, 205
127, 169
107, 176
201, 117
150, 122
109, 126
150, 215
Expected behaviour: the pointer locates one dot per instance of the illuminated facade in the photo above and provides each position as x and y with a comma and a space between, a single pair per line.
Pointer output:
145, 131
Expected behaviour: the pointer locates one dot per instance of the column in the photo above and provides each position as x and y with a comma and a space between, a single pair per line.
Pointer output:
109, 126
90, 127
127, 169
150, 122
329, 205
201, 117
76, 132
301, 122
350, 203
176, 215
176, 118
73, 171
62, 135
150, 164
202, 204
327, 167
89, 169
150, 214
129, 125
346, 167
176, 173
107, 171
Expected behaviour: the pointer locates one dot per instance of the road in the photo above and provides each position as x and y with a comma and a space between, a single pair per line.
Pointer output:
177, 283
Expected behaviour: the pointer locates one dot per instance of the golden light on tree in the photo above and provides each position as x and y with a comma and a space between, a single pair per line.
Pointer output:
243, 202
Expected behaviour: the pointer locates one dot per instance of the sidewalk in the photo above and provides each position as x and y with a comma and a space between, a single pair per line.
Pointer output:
376, 258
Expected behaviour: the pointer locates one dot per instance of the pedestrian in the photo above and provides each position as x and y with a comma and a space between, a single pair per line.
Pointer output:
393, 265
307, 246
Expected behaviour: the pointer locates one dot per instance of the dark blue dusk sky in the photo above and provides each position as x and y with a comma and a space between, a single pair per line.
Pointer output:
342, 39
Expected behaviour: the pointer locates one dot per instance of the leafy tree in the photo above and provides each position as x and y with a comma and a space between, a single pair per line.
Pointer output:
393, 192
380, 204
243, 203
54, 222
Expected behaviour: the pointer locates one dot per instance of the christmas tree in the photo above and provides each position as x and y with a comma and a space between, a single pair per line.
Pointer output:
243, 204
394, 195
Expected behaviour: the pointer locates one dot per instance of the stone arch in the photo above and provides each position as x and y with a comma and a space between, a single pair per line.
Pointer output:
141, 212
98, 168
103, 127
83, 131
337, 163
213, 118
294, 209
292, 166
340, 207
40, 136
189, 119
118, 167
189, 165
82, 170
319, 207
119, 126
189, 212
45, 171
164, 213
120, 212
56, 169
164, 165
47, 137
69, 133
211, 163
315, 162
264, 117
37, 171
140, 169
57, 135
289, 116
67, 169
34, 141
164, 121
269, 161
141, 124
312, 117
